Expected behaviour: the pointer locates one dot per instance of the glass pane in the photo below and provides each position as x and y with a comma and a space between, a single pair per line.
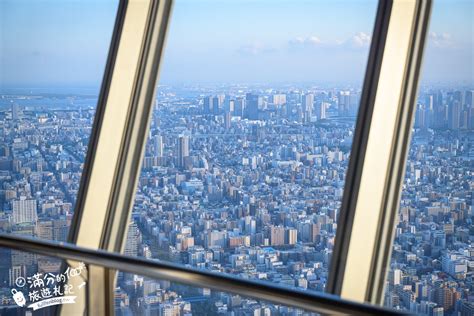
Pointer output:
245, 161
432, 266
139, 295
32, 284
53, 55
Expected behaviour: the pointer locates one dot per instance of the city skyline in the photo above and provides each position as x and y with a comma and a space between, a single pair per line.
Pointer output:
244, 161
248, 182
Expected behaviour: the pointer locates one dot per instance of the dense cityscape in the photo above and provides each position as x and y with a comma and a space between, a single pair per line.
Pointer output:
246, 180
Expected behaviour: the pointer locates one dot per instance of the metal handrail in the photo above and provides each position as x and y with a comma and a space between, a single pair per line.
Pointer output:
306, 300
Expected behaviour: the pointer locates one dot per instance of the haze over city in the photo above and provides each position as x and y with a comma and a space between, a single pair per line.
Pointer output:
245, 161
249, 41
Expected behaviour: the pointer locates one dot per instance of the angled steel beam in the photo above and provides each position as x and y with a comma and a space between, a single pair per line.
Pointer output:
372, 192
117, 141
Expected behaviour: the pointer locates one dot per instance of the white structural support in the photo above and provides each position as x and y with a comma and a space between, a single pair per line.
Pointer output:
117, 142
370, 203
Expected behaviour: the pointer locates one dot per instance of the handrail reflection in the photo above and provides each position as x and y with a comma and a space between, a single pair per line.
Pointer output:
306, 300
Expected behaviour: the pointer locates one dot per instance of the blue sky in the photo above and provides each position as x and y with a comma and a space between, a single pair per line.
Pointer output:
65, 43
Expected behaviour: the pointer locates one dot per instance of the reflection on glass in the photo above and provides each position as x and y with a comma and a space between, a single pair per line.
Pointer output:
432, 261
140, 295
31, 283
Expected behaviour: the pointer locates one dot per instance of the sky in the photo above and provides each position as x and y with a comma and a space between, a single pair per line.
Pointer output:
64, 43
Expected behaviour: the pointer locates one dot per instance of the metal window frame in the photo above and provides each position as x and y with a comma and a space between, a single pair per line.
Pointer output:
116, 146
371, 197
121, 124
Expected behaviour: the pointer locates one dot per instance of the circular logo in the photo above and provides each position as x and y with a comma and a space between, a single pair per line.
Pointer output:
20, 281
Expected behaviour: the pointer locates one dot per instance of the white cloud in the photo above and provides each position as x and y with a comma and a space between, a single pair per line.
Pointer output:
440, 39
358, 40
313, 40
254, 48
310, 41
361, 39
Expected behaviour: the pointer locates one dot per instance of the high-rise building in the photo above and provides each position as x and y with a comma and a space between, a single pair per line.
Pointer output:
307, 106
216, 238
292, 236
133, 236
158, 145
217, 103
277, 235
279, 99
227, 120
229, 105
395, 276
445, 297
221, 99
470, 108
16, 112
24, 210
213, 104
182, 150
239, 107
208, 105
420, 116
454, 115
440, 111
315, 232
56, 229
429, 111
469, 98
344, 103
307, 102
321, 110
458, 96
253, 103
